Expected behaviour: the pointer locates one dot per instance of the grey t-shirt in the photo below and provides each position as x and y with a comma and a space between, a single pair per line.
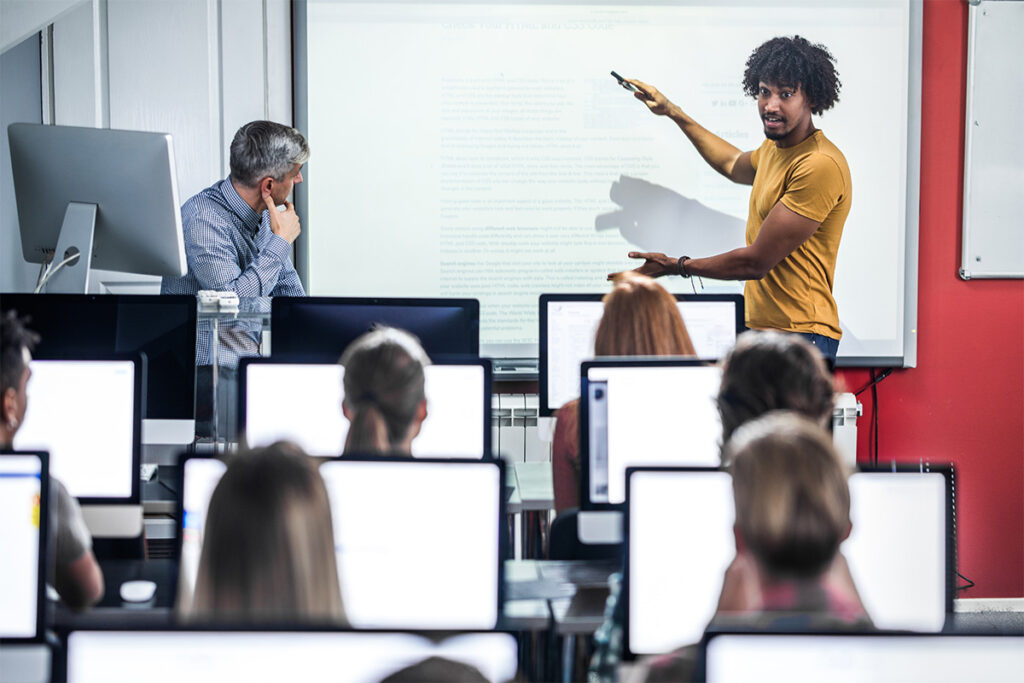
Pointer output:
73, 537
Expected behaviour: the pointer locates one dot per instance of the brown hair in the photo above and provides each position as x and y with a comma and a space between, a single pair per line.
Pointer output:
641, 319
384, 386
268, 548
791, 494
767, 371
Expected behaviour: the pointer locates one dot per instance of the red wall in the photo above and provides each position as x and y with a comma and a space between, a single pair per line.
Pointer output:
964, 402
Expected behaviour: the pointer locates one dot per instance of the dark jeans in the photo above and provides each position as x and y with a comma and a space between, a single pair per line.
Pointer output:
828, 346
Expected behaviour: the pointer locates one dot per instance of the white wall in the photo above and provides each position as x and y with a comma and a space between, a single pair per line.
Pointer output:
196, 69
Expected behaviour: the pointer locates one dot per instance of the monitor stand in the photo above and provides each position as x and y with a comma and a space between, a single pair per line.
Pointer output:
113, 521
76, 237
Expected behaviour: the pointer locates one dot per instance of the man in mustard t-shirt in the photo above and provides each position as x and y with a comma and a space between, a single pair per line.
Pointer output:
800, 198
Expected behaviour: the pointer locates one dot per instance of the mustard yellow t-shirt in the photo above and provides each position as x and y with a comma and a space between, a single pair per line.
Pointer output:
813, 180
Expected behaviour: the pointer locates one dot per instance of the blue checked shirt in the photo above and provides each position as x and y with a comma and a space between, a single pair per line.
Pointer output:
230, 247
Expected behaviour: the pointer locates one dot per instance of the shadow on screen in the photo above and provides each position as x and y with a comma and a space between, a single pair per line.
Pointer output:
655, 218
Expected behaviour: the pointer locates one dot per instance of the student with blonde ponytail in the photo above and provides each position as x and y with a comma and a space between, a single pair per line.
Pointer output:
385, 401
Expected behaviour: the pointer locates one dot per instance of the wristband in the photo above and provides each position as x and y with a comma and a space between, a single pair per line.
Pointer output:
682, 268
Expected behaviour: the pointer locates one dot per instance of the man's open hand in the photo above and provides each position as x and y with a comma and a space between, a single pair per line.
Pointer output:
655, 264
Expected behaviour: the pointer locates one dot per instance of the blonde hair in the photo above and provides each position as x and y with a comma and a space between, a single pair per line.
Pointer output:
791, 493
384, 385
641, 319
268, 549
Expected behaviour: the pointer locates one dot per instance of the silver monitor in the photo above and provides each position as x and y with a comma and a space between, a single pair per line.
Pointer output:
419, 542
108, 195
895, 658
87, 414
458, 408
680, 540
24, 493
293, 655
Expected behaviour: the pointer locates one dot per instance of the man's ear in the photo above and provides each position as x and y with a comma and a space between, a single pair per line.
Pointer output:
266, 185
7, 404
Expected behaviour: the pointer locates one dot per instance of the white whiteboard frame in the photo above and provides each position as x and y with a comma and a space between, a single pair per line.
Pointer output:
987, 207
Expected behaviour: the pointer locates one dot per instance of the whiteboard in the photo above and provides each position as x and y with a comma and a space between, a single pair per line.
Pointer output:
993, 222
481, 149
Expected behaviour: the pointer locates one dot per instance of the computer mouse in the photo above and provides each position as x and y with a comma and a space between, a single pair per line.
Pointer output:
139, 590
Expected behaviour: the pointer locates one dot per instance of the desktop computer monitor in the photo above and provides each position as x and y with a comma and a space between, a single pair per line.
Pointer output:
643, 412
419, 542
161, 326
318, 329
679, 540
24, 511
568, 323
458, 407
279, 655
86, 413
894, 657
109, 195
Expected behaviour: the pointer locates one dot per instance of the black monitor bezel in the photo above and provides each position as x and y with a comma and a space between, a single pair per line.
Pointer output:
44, 541
484, 363
279, 304
584, 414
138, 361
503, 541
944, 469
187, 302
543, 368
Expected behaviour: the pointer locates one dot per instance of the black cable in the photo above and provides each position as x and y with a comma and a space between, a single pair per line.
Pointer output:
970, 584
874, 417
874, 380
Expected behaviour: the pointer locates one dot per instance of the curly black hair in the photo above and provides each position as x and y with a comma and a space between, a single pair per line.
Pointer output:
795, 62
14, 337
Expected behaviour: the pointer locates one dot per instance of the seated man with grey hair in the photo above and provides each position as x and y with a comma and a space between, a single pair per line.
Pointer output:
237, 240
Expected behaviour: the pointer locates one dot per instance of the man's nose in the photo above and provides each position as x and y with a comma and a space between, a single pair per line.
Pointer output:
298, 178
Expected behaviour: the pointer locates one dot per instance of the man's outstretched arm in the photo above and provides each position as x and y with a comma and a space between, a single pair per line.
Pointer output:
728, 160
783, 231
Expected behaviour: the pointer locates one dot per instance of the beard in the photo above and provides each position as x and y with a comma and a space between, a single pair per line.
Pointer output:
776, 134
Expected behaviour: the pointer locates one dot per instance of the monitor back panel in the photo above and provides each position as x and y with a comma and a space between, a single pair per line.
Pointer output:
680, 540
458, 408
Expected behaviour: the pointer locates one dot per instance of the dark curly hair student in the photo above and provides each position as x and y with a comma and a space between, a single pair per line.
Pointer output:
795, 62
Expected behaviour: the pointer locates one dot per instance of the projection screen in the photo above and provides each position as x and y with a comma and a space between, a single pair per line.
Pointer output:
478, 149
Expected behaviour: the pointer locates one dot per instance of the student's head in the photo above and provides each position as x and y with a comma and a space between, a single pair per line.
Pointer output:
791, 493
768, 371
437, 669
641, 319
796, 64
268, 155
16, 344
268, 546
385, 401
